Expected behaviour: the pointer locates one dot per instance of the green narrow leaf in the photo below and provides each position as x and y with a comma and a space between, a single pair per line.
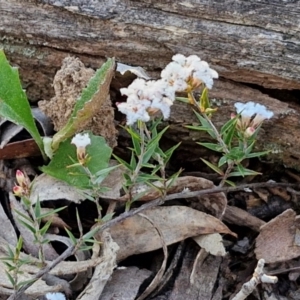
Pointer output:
19, 244
256, 154
91, 233
123, 162
71, 236
90, 101
229, 134
14, 105
79, 224
230, 183
239, 170
211, 146
37, 208
51, 213
136, 140
213, 167
229, 125
45, 228
24, 216
170, 152
183, 99
28, 226
222, 161
107, 217
12, 281
206, 125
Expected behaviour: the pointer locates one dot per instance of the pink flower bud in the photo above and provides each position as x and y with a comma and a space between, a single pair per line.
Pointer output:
249, 132
20, 177
18, 191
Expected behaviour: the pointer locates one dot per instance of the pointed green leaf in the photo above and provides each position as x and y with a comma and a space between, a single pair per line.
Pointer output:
90, 101
239, 170
215, 168
123, 162
257, 154
229, 125
222, 161
71, 236
230, 183
14, 105
11, 279
45, 228
211, 146
51, 213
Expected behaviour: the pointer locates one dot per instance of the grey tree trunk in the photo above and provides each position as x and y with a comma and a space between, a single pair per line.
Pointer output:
247, 42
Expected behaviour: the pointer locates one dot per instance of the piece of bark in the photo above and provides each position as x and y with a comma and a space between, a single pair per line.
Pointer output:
240, 217
243, 40
125, 283
205, 278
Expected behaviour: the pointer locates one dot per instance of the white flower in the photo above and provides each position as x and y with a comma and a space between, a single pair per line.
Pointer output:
135, 110
55, 296
81, 140
251, 109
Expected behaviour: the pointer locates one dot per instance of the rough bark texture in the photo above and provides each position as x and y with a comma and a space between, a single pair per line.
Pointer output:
254, 42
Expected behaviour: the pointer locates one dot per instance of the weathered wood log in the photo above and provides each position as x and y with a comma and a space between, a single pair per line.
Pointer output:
245, 41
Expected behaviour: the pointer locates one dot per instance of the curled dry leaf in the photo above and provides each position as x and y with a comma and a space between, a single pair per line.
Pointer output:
158, 277
277, 241
212, 243
138, 71
7, 230
135, 235
46, 188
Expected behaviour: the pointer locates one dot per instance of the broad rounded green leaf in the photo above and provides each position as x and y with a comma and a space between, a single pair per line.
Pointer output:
63, 165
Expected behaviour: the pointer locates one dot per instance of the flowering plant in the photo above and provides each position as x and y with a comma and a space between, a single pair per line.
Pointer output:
187, 74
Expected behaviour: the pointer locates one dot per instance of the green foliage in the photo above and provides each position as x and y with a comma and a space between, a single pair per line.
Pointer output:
14, 105
91, 99
64, 164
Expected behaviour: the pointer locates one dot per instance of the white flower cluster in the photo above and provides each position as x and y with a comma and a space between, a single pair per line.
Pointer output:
146, 97
252, 115
185, 71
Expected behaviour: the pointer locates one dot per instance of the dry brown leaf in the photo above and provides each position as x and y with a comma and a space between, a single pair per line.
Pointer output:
276, 241
7, 230
138, 71
212, 243
46, 188
156, 280
136, 235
